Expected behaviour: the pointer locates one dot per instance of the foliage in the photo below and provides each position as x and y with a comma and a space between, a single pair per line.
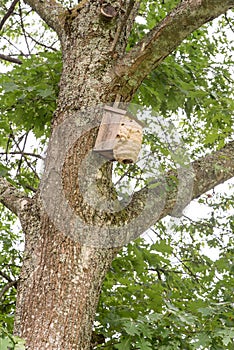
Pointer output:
192, 83
9, 342
165, 294
10, 261
28, 95
27, 102
185, 295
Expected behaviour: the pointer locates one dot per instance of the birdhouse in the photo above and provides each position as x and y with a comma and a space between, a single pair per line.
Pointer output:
119, 136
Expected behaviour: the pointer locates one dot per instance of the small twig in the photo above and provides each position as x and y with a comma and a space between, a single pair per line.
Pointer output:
7, 287
167, 271
25, 158
9, 13
158, 274
12, 44
190, 272
132, 167
21, 152
228, 79
16, 21
24, 153
124, 174
190, 219
7, 147
4, 275
41, 44
229, 23
10, 59
30, 188
23, 29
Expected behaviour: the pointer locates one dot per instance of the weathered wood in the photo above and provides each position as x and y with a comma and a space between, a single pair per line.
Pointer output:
119, 137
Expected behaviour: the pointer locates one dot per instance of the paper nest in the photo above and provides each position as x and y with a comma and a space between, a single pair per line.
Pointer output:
128, 142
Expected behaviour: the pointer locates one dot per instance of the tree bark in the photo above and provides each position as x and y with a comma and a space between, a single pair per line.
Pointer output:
61, 279
59, 289
12, 198
189, 15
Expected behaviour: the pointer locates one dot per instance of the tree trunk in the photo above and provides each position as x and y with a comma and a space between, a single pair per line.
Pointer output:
61, 279
59, 289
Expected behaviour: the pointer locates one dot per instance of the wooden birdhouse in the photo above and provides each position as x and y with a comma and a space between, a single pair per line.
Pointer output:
119, 136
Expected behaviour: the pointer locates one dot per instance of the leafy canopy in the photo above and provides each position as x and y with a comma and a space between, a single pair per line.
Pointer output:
166, 291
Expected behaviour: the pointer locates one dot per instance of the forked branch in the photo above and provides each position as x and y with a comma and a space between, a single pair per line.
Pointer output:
9, 13
188, 16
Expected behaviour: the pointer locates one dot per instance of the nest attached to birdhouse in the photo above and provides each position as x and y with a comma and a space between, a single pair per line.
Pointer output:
128, 141
119, 137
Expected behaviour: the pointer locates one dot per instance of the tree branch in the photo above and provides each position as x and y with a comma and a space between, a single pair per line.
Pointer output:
23, 29
4, 275
10, 59
229, 23
7, 287
42, 44
11, 197
123, 23
23, 153
188, 16
50, 11
206, 173
213, 169
8, 14
209, 172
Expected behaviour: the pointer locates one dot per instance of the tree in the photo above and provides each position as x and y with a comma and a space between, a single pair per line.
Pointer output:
107, 57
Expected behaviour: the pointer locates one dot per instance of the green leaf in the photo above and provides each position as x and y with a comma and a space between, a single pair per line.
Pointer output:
227, 336
163, 247
4, 170
9, 86
124, 344
144, 344
131, 328
6, 344
206, 311
203, 340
